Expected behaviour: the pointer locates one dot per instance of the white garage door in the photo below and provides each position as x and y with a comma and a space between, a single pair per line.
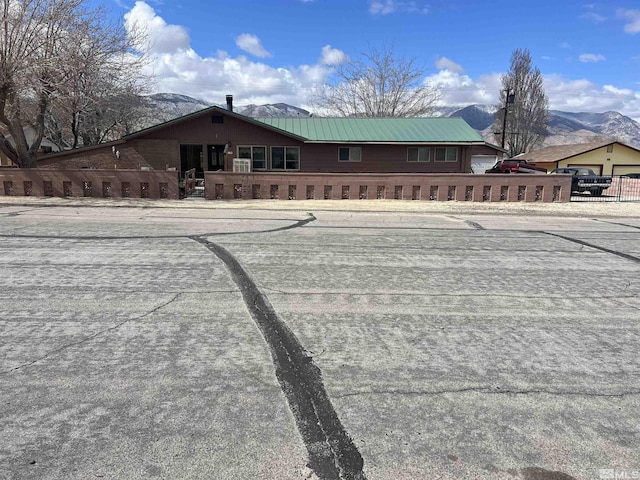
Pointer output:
625, 169
480, 163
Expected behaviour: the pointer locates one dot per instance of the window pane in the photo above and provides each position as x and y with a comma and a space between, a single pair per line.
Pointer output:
343, 154
440, 153
412, 154
277, 158
259, 153
244, 152
423, 154
452, 154
293, 158
354, 154
259, 157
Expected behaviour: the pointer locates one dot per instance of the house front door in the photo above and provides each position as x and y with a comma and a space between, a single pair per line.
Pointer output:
215, 157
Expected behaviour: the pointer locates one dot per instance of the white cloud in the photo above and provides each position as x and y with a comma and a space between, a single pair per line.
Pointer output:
593, 17
159, 37
177, 68
633, 16
443, 63
382, 7
567, 95
460, 89
586, 96
591, 58
251, 44
386, 7
332, 56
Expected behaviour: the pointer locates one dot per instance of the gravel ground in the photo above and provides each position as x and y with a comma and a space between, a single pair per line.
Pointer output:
574, 209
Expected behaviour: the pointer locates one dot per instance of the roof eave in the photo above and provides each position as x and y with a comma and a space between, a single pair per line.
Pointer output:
396, 142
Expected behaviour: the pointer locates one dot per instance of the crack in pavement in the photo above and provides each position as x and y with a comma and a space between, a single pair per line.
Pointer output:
300, 223
616, 223
332, 453
472, 224
597, 247
90, 337
490, 391
296, 224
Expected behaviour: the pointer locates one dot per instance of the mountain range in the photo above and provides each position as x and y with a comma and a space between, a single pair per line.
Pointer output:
564, 127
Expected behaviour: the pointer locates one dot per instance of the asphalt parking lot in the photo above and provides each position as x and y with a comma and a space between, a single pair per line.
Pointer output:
140, 341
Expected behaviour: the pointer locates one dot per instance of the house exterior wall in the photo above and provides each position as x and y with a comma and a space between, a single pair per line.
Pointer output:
159, 148
617, 162
159, 154
98, 157
314, 157
375, 158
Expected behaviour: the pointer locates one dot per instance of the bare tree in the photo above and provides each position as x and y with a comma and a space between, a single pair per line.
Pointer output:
523, 115
54, 56
380, 84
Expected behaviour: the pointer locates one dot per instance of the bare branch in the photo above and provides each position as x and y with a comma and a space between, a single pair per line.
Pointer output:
58, 58
379, 84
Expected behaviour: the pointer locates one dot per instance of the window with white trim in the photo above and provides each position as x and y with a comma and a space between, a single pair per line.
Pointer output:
418, 154
285, 158
446, 154
349, 154
258, 156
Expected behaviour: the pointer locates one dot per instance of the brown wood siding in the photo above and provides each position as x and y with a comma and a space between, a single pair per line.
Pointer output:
201, 131
159, 154
374, 159
100, 157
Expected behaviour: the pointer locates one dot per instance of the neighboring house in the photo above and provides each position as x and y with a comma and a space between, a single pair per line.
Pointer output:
605, 158
46, 145
209, 140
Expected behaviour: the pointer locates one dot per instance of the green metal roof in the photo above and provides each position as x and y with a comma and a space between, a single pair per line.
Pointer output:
386, 130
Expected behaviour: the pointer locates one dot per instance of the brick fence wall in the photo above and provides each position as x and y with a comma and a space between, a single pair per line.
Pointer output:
435, 187
89, 183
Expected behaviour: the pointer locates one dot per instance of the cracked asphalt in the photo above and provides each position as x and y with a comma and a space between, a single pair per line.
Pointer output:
150, 341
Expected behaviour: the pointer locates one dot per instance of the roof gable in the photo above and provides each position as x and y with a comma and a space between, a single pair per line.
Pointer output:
202, 113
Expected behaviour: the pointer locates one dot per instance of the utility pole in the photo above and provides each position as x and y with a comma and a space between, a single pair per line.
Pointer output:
509, 99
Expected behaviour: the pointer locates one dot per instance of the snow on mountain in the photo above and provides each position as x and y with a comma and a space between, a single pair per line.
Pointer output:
479, 118
564, 127
272, 110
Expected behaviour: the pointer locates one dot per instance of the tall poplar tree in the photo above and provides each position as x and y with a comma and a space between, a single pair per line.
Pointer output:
523, 115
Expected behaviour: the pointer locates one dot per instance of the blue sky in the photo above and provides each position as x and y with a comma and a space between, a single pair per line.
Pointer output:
273, 51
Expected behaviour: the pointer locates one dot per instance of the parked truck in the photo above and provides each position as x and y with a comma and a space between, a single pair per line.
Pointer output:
512, 165
585, 180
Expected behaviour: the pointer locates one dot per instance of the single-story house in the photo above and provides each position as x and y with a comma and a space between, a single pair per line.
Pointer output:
605, 158
210, 140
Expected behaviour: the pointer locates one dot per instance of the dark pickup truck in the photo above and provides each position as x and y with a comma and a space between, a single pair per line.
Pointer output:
585, 180
515, 166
